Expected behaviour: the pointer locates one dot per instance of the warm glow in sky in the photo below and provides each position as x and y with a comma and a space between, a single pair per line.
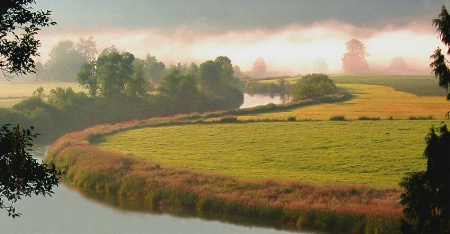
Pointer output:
289, 47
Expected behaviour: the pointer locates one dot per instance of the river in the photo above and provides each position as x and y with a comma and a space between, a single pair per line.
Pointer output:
67, 212
259, 99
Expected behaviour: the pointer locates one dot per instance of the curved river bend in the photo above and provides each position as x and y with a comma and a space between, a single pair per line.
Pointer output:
69, 212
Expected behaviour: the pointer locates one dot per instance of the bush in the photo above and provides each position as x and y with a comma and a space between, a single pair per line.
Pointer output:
292, 118
313, 85
338, 118
368, 118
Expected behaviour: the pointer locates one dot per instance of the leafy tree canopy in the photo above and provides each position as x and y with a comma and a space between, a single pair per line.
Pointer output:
426, 198
313, 85
440, 64
18, 27
21, 175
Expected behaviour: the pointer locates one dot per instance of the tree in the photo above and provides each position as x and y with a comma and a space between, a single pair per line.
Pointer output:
64, 63
354, 61
21, 175
87, 78
313, 85
113, 74
18, 27
209, 77
226, 70
440, 65
259, 67
153, 69
137, 85
87, 47
180, 90
426, 198
193, 70
114, 70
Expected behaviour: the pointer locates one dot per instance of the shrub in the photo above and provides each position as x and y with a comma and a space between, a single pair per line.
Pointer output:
338, 118
368, 118
229, 120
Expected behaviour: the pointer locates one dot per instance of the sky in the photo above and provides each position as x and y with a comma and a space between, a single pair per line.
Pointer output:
288, 34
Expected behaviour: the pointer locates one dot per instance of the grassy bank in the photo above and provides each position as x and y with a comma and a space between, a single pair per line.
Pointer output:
149, 185
248, 164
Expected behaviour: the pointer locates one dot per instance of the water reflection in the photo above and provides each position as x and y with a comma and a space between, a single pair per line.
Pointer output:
69, 212
259, 99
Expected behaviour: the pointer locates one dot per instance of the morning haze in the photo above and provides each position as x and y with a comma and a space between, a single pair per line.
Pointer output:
267, 116
289, 35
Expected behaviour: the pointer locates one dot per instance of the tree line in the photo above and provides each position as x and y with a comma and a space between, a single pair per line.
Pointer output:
118, 90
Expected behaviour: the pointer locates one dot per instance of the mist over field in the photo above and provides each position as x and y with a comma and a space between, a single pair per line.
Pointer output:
288, 35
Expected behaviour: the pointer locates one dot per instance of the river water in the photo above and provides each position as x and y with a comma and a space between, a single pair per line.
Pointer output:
259, 99
68, 212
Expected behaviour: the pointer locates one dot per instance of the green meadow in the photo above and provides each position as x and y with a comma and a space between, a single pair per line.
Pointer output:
12, 93
375, 153
382, 141
331, 164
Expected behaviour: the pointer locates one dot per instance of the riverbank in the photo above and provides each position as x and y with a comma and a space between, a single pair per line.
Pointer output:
146, 186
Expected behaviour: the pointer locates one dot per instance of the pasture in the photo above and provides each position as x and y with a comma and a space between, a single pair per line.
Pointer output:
370, 101
13, 92
375, 153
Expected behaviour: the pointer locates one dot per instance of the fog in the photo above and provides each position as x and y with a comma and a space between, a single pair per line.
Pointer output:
291, 50
288, 35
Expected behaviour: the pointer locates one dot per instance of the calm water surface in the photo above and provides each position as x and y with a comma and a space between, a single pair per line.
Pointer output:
258, 99
69, 212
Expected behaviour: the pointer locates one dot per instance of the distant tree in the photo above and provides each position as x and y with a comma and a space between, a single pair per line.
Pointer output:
209, 77
226, 70
88, 79
18, 27
193, 70
153, 69
113, 74
20, 174
398, 64
354, 61
64, 63
259, 67
114, 70
238, 72
313, 85
216, 80
181, 90
87, 48
137, 85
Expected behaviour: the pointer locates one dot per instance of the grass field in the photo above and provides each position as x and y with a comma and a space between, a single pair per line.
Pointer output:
369, 101
13, 92
377, 153
420, 85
